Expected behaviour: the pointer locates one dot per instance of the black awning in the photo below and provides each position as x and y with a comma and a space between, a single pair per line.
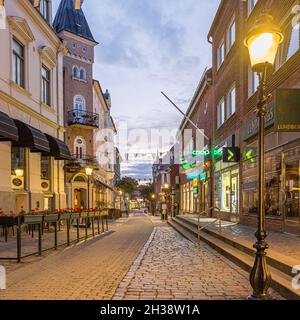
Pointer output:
58, 148
32, 138
8, 129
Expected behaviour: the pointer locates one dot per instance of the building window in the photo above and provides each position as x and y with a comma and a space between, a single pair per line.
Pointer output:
253, 82
17, 160
220, 55
231, 103
79, 104
79, 147
75, 72
251, 5
230, 35
220, 113
290, 45
45, 85
44, 9
82, 74
18, 63
45, 167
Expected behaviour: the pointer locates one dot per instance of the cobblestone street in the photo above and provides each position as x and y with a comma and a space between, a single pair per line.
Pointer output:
90, 270
171, 267
142, 258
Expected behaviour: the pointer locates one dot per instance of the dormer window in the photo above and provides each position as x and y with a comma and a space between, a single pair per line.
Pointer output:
44, 9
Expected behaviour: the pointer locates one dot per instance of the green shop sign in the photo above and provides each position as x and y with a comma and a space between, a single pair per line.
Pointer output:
203, 176
208, 154
250, 129
287, 110
187, 166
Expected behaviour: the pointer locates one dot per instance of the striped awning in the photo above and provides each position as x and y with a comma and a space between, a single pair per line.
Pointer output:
58, 148
8, 129
31, 137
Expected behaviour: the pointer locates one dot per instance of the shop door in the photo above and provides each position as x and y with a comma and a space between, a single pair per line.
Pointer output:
234, 198
292, 197
77, 199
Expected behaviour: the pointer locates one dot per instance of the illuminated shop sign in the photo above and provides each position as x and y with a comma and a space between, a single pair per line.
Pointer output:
231, 154
250, 154
287, 114
208, 154
187, 166
203, 177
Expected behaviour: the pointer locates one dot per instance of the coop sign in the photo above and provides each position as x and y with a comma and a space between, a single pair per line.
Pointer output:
207, 153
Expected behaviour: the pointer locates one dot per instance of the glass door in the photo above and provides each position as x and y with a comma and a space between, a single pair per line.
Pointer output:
292, 197
234, 198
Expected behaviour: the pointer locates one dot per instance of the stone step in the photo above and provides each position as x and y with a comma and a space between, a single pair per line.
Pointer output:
281, 282
281, 262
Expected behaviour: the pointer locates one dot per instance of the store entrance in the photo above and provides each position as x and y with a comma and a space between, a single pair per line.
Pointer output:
80, 198
292, 197
234, 198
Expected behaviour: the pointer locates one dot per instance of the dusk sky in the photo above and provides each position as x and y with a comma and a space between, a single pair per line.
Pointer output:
148, 46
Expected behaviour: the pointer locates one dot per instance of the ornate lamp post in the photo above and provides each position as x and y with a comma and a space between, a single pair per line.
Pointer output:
262, 42
88, 172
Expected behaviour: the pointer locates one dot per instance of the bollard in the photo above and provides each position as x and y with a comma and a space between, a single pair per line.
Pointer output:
55, 236
77, 229
19, 240
106, 223
68, 232
102, 221
40, 239
98, 224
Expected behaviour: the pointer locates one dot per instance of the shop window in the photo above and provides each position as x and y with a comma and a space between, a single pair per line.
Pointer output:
230, 35
220, 55
18, 63
220, 113
45, 85
17, 161
231, 103
45, 167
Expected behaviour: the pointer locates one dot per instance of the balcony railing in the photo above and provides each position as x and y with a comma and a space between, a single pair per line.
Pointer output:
84, 118
86, 160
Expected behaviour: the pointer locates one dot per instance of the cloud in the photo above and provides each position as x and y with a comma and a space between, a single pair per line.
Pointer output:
148, 46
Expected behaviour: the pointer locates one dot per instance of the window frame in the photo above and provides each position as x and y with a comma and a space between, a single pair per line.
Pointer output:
229, 102
44, 9
221, 116
220, 52
17, 57
46, 84
229, 41
251, 4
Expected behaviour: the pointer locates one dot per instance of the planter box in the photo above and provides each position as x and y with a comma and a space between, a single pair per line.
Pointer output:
75, 215
64, 216
33, 219
51, 218
9, 221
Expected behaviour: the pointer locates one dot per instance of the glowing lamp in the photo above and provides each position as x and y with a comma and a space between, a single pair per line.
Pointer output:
19, 173
89, 171
262, 42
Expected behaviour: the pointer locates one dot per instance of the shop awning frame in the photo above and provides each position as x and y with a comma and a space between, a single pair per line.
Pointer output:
31, 137
8, 129
58, 149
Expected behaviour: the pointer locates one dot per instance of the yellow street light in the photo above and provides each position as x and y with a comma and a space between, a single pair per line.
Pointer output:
19, 173
166, 186
89, 171
153, 196
262, 42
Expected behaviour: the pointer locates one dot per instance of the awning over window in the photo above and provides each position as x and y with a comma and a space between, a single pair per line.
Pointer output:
8, 129
58, 148
32, 138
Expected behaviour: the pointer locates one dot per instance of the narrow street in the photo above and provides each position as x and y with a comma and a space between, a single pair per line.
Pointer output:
143, 258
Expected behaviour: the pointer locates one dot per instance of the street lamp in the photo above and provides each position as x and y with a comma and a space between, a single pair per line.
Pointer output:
88, 172
262, 42
19, 172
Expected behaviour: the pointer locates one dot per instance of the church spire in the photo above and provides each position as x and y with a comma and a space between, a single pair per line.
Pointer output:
70, 19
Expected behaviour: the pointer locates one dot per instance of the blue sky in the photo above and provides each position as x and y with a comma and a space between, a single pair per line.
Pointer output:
148, 46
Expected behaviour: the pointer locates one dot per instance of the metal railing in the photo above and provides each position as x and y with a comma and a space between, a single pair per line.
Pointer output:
87, 219
211, 222
82, 117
